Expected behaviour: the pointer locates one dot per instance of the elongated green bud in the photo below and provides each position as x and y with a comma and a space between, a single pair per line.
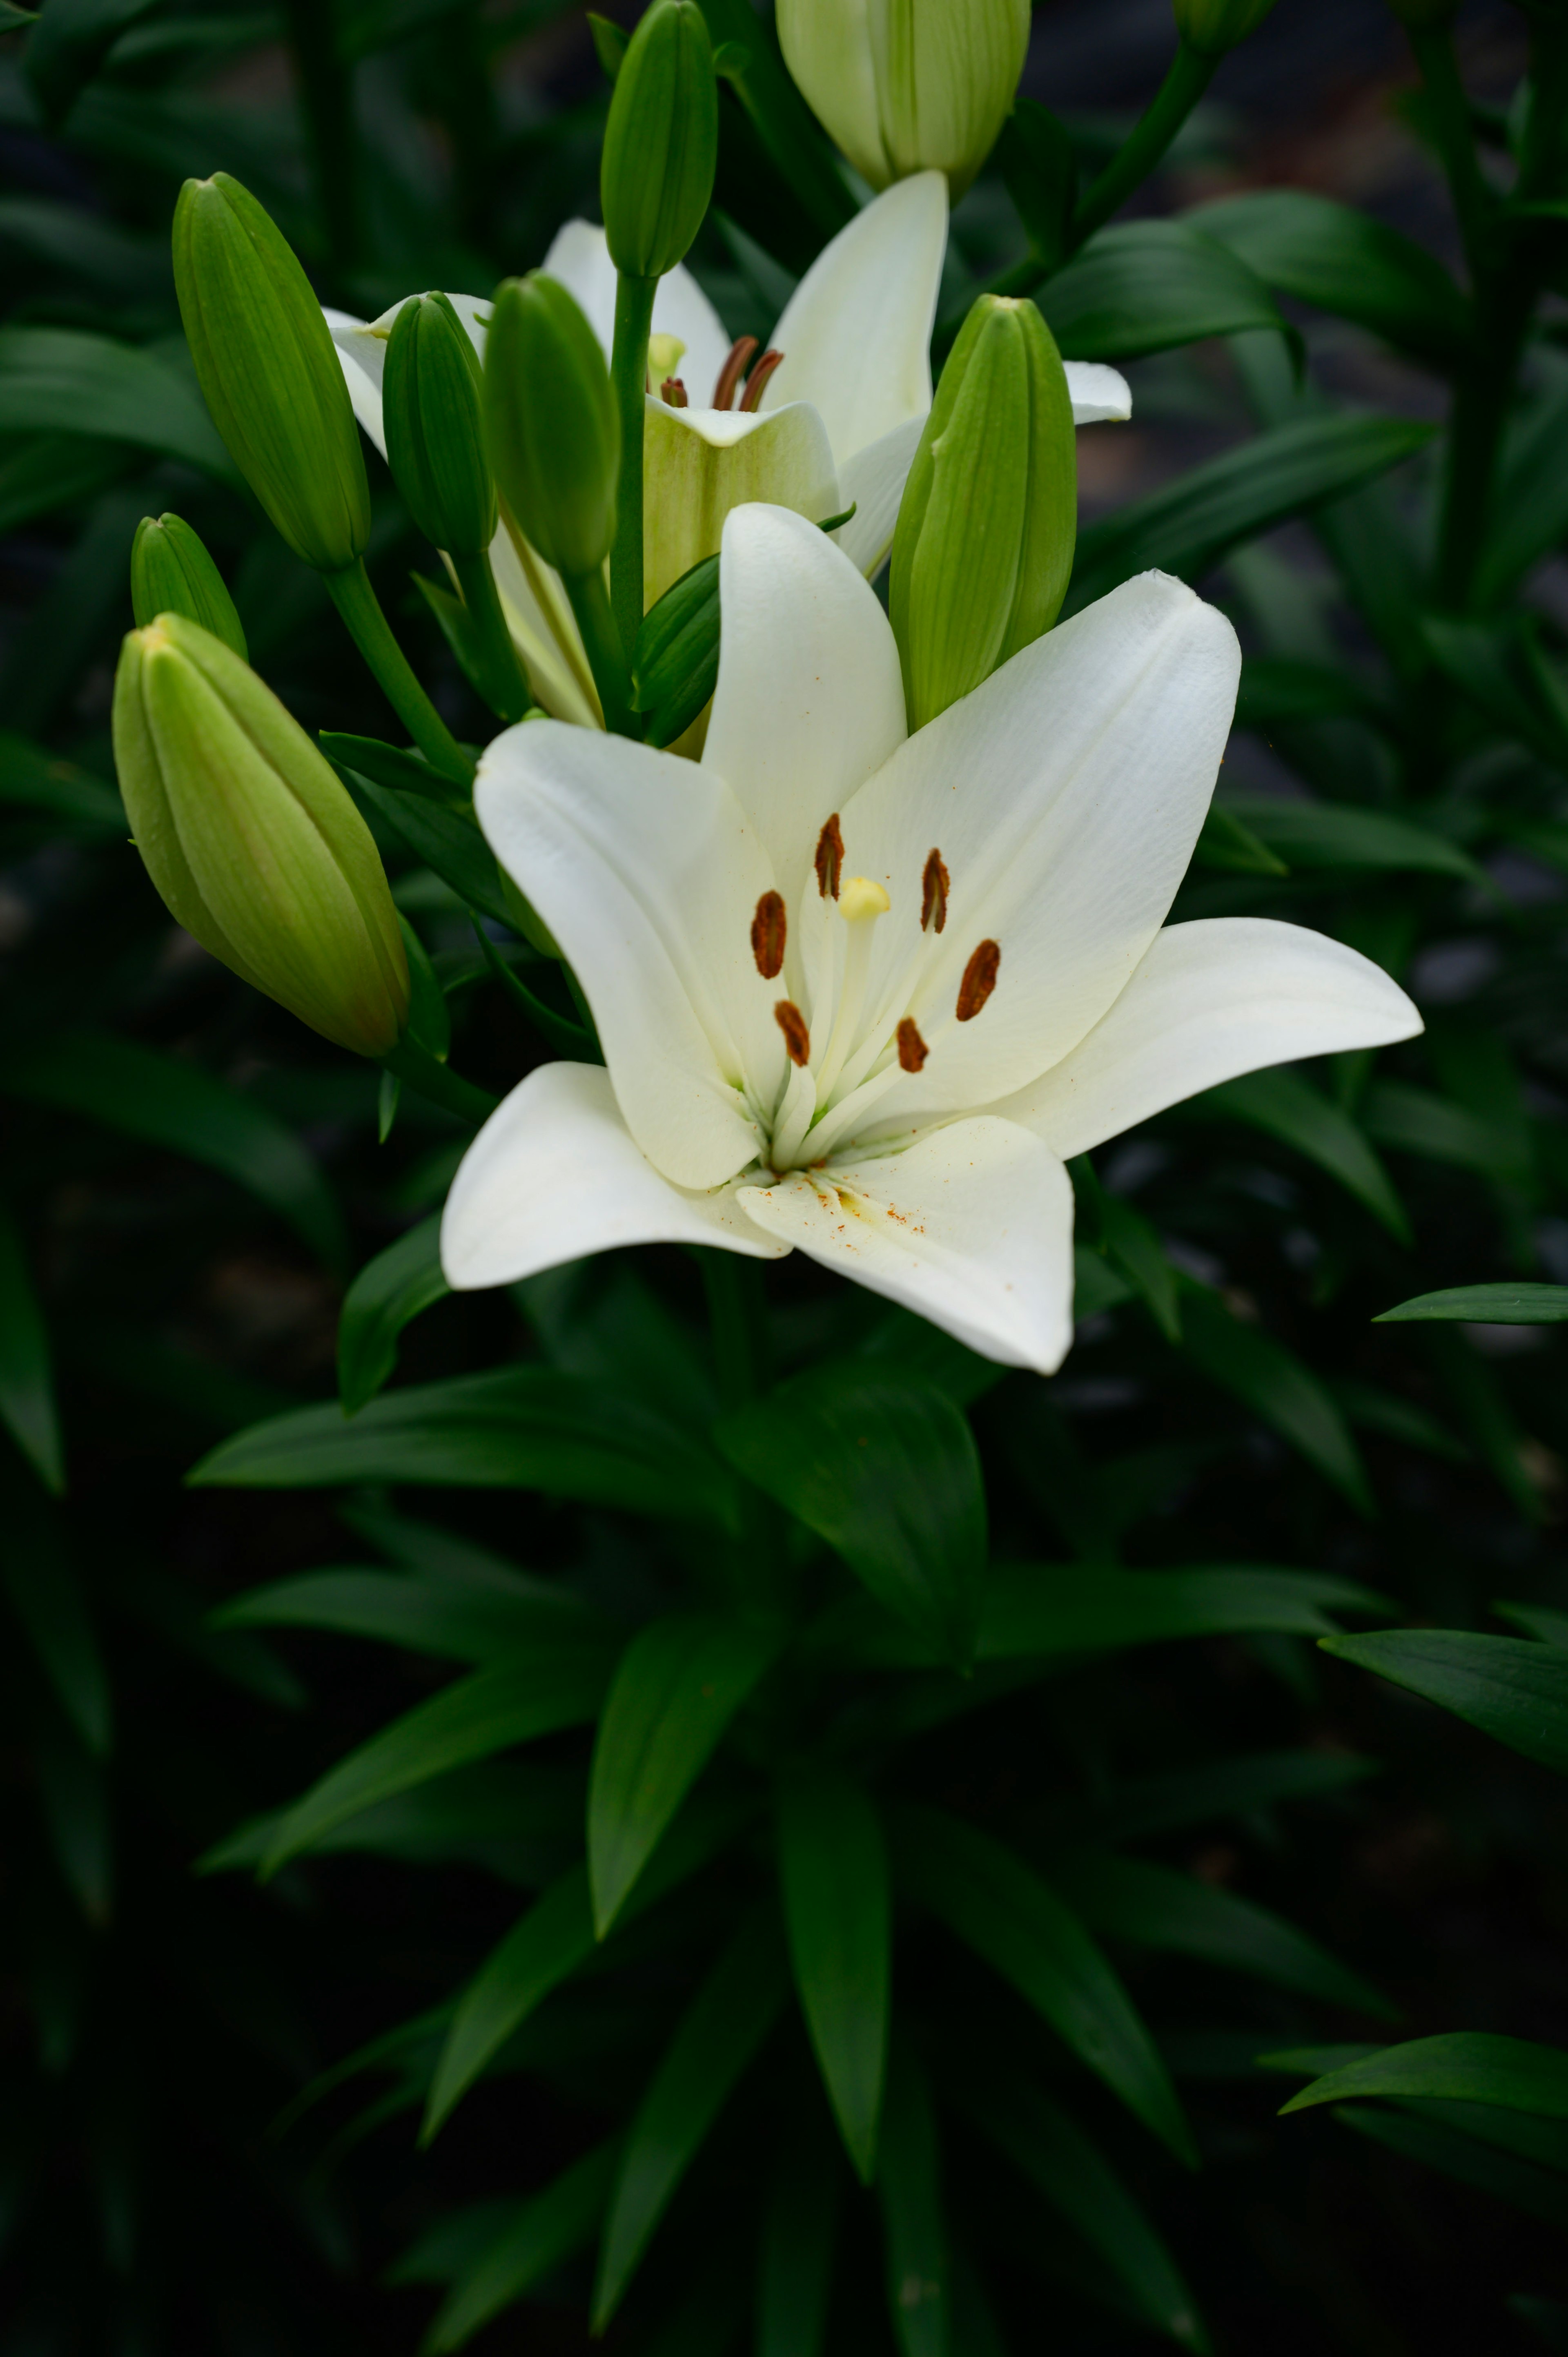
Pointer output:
273, 381
254, 845
661, 143
1213, 26
906, 86
984, 541
433, 411
551, 423
171, 573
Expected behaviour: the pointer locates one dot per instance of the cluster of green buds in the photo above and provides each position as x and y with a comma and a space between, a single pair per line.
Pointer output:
984, 543
171, 573
904, 86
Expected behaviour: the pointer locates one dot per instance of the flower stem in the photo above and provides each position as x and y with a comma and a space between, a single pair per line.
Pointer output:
410, 1062
607, 658
1449, 115
1188, 78
629, 378
351, 593
502, 679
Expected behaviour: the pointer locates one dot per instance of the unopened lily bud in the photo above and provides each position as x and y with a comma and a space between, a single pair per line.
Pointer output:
254, 845
265, 358
661, 141
1213, 26
433, 411
171, 573
550, 424
906, 86
984, 541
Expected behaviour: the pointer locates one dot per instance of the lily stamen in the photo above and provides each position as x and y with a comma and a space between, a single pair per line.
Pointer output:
734, 369
770, 927
979, 980
673, 393
934, 887
755, 383
797, 1038
829, 861
912, 1049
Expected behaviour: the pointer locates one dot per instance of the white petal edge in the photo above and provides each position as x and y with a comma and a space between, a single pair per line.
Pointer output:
579, 257
1099, 395
556, 1174
970, 1226
1211, 1000
874, 480
856, 333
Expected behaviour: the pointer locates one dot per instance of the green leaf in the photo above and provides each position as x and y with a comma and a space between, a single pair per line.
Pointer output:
460, 1619
445, 840
27, 1407
1518, 1303
1347, 262
74, 801
1277, 688
397, 767
1273, 1384
1506, 1687
1529, 514
1224, 843
1307, 835
1187, 528
41, 472
543, 2233
1039, 165
519, 1429
677, 1686
46, 1595
387, 1292
800, 2233
888, 1473
1155, 1907
162, 1101
1240, 1785
1541, 1621
832, 1866
1444, 2145
516, 1701
1285, 1105
1147, 285
1417, 1121
1470, 2066
988, 1897
779, 115
718, 2035
920, 2292
68, 43
65, 381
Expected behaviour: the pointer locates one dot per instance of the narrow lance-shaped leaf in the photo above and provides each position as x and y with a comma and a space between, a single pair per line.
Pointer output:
27, 1405
832, 1863
1506, 1687
1284, 1106
920, 2294
547, 2229
457, 1619
1147, 285
800, 2236
46, 1595
1485, 1305
1271, 1382
387, 1292
1470, 2066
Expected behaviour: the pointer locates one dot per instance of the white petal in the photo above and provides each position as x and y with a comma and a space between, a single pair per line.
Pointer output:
1065, 796
874, 480
971, 1226
856, 333
810, 701
644, 870
580, 259
700, 464
1096, 393
543, 625
554, 1174
1212, 999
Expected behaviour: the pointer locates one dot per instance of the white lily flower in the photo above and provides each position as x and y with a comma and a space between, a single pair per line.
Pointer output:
863, 992
834, 425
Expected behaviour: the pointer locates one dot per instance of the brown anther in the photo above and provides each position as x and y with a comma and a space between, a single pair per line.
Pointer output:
734, 369
912, 1049
979, 981
797, 1038
768, 931
673, 392
934, 894
752, 396
830, 858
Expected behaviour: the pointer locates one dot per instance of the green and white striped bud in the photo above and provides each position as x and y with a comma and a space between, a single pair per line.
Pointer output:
273, 381
1213, 26
661, 142
433, 412
171, 573
984, 547
254, 844
551, 423
906, 86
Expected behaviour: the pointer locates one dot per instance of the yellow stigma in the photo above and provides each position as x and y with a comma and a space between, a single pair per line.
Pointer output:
860, 898
665, 354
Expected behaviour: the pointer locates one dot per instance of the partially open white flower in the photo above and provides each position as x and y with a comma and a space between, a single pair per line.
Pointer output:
833, 425
863, 992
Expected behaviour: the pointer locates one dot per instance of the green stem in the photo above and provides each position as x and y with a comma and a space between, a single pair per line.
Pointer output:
736, 1319
415, 1065
628, 377
503, 681
1449, 113
1140, 152
590, 604
351, 593
1548, 105
326, 103
1482, 399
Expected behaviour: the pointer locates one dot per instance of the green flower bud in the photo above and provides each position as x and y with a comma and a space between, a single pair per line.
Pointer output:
551, 423
273, 381
1213, 26
171, 573
661, 142
984, 541
904, 86
433, 410
254, 845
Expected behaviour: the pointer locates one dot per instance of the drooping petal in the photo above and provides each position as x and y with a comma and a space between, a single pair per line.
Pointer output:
644, 870
1211, 999
970, 1226
856, 333
1064, 797
872, 481
556, 1174
700, 464
1098, 393
580, 259
810, 701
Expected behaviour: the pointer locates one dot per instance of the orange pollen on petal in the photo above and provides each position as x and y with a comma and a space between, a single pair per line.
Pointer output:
797, 1038
912, 1049
830, 858
740, 351
979, 981
673, 392
769, 928
751, 398
934, 893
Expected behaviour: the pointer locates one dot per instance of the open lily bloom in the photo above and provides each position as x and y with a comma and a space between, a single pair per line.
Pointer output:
833, 425
862, 993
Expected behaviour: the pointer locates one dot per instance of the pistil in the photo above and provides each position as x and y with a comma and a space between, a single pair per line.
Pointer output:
861, 902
